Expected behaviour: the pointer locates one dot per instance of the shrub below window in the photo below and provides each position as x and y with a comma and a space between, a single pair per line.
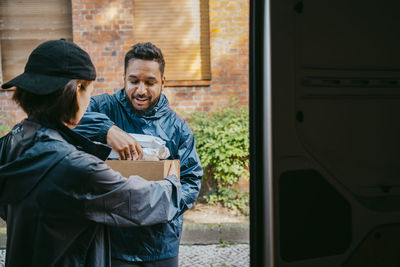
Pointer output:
222, 142
232, 198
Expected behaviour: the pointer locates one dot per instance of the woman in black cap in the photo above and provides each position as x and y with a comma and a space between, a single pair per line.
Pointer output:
56, 193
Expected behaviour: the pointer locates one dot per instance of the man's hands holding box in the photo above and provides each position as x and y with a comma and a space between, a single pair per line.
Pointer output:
152, 170
124, 144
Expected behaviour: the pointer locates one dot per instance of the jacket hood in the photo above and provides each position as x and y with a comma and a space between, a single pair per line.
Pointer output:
158, 111
30, 151
23, 161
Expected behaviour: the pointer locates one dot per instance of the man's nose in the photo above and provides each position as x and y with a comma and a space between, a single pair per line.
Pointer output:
141, 88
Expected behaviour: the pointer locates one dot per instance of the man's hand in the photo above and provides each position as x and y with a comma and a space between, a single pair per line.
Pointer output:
124, 144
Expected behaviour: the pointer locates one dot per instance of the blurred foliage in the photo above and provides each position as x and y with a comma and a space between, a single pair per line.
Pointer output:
222, 142
232, 198
4, 127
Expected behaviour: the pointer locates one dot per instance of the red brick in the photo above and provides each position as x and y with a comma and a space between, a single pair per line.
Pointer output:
229, 43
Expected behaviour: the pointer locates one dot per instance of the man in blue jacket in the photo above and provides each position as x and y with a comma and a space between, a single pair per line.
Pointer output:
141, 107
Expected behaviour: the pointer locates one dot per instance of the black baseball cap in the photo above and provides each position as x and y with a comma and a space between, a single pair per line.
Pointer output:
51, 66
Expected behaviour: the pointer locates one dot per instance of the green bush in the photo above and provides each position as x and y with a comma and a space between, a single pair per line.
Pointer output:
4, 128
232, 198
222, 141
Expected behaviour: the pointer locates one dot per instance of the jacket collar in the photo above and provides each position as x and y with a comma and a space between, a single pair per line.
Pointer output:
156, 112
79, 141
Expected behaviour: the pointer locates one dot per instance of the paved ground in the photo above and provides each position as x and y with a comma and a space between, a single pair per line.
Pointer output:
221, 255
203, 245
214, 256
2, 257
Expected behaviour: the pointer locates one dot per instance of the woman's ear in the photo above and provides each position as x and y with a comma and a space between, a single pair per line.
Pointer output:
80, 87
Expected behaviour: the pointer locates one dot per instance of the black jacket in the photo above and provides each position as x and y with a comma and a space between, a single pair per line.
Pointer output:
57, 199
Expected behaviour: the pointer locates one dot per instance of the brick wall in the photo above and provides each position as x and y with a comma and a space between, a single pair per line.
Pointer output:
229, 44
1, 72
10, 113
105, 29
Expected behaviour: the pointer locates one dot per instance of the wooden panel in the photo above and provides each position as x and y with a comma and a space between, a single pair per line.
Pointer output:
180, 29
27, 23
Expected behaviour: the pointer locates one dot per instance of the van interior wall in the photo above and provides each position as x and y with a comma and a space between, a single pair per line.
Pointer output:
335, 96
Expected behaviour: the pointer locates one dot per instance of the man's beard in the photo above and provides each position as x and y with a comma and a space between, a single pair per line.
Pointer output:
152, 103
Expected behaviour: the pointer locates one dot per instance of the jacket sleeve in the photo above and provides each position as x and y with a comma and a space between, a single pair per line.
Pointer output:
115, 200
95, 123
3, 157
191, 170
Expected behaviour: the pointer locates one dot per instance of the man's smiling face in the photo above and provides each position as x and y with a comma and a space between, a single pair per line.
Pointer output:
143, 83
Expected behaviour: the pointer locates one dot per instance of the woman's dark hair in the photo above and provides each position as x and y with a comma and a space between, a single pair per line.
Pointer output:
60, 106
146, 51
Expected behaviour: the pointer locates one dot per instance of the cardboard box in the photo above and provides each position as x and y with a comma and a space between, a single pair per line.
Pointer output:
149, 170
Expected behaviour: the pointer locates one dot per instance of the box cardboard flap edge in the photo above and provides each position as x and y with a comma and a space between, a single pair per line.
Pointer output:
149, 170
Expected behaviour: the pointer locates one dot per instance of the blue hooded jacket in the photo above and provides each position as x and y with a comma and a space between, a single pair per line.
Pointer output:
159, 241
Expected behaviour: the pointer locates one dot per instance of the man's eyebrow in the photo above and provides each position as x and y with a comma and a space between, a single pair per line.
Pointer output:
147, 78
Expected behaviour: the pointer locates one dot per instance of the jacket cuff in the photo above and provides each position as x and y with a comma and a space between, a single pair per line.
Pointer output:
104, 130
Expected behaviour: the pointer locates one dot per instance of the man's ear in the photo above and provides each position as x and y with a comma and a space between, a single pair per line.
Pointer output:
162, 83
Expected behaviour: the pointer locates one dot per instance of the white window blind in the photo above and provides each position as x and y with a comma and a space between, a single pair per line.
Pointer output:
25, 24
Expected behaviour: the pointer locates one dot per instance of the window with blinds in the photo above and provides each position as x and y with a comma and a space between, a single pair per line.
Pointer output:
180, 28
25, 24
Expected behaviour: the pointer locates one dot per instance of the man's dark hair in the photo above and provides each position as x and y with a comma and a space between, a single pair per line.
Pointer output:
145, 51
59, 106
